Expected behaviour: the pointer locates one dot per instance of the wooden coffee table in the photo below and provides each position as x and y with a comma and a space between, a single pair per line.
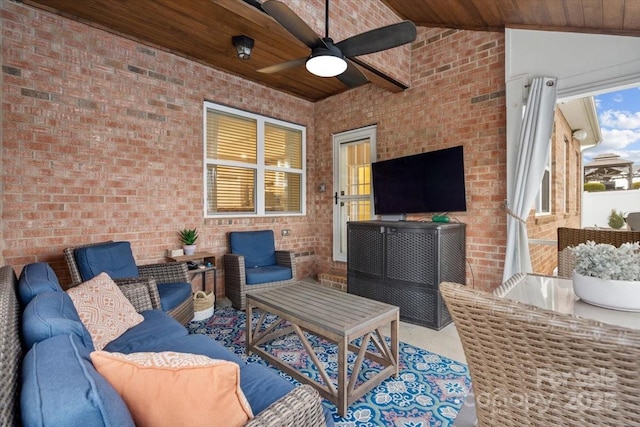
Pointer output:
336, 316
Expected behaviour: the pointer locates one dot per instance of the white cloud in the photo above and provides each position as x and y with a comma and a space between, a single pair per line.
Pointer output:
618, 97
620, 119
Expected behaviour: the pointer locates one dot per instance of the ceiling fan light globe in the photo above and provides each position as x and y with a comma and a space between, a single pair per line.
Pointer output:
326, 65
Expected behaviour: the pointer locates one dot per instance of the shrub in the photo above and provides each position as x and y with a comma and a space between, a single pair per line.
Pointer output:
616, 220
594, 186
635, 185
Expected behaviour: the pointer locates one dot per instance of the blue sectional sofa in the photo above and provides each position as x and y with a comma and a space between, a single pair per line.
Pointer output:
59, 386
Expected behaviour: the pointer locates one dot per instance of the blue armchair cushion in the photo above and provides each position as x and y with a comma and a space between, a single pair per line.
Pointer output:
35, 278
257, 247
272, 273
113, 258
61, 388
50, 314
173, 294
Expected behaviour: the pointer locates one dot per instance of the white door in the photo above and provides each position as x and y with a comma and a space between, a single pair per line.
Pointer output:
353, 152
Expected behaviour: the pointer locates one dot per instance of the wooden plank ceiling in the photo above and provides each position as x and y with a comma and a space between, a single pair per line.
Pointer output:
202, 29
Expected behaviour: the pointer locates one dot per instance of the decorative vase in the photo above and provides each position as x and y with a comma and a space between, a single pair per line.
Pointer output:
189, 249
615, 294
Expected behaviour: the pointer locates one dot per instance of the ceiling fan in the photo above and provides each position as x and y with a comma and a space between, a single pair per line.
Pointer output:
329, 59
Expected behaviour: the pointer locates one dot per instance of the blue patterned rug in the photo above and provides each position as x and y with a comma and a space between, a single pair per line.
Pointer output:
428, 392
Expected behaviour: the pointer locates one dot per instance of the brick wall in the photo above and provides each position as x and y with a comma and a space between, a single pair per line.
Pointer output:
456, 98
102, 139
566, 193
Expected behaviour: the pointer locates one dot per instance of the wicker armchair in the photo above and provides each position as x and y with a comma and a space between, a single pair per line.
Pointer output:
570, 237
534, 367
235, 266
150, 275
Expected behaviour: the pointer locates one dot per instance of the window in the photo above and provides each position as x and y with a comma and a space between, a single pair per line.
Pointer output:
543, 201
254, 165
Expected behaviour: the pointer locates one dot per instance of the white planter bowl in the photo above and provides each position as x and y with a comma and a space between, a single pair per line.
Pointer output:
614, 294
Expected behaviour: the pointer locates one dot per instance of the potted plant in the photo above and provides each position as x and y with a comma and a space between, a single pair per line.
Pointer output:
608, 276
188, 238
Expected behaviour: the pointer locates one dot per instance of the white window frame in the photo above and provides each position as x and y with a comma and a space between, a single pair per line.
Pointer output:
539, 198
259, 166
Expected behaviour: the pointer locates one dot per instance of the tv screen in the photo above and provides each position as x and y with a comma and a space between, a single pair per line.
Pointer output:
431, 182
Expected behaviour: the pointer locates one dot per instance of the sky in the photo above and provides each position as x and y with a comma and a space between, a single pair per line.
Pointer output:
619, 117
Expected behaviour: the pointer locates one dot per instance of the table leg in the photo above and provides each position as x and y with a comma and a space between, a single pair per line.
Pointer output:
395, 324
343, 346
248, 330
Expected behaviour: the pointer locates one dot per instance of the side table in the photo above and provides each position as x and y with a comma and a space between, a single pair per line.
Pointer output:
208, 264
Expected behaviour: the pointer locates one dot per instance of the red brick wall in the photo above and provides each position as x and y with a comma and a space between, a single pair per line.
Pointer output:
456, 98
102, 139
566, 162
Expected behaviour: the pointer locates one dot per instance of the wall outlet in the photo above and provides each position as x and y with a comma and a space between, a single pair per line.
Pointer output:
286, 232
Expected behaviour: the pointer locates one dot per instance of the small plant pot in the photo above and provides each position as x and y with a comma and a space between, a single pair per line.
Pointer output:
189, 249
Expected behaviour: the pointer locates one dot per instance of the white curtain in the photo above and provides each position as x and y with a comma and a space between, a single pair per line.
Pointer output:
531, 159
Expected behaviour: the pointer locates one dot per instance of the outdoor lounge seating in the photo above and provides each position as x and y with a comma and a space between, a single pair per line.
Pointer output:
633, 221
254, 265
570, 237
535, 367
168, 283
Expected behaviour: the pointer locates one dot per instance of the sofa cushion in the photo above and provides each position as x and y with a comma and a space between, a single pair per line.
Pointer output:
144, 336
167, 388
262, 386
173, 294
113, 258
35, 278
60, 387
272, 273
257, 247
196, 344
50, 314
103, 309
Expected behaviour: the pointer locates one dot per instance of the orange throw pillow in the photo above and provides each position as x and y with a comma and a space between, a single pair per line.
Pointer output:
103, 309
176, 389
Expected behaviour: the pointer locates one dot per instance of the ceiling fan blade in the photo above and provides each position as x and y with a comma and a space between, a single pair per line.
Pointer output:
292, 23
379, 39
352, 76
283, 66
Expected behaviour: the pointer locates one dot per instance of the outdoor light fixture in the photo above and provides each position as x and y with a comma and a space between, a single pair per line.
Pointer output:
243, 45
580, 134
326, 61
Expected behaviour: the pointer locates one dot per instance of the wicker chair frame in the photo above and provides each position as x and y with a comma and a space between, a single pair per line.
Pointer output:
143, 291
535, 367
10, 348
570, 237
235, 279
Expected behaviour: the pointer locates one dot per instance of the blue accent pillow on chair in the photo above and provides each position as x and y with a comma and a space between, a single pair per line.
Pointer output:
114, 258
257, 247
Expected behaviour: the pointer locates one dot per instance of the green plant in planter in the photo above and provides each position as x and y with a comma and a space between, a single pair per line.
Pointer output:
616, 220
188, 236
607, 261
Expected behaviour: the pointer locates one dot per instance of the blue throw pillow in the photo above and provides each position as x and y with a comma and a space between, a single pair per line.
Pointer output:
60, 387
113, 258
35, 278
50, 314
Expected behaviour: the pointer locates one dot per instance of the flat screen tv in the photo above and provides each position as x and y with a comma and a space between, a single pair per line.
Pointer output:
431, 182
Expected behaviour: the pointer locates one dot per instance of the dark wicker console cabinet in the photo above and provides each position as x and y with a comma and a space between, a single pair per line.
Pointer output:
403, 262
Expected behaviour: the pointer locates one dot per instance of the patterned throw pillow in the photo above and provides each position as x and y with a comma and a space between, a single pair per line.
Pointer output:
176, 389
103, 309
